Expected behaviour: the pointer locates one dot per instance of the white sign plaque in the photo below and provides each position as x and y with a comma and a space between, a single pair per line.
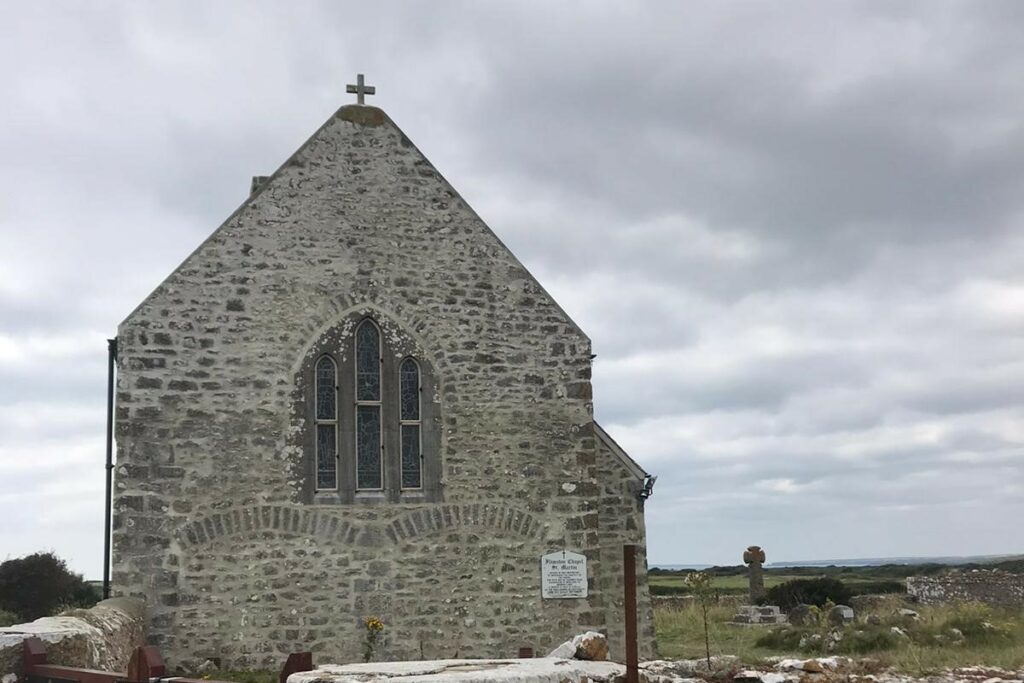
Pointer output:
563, 574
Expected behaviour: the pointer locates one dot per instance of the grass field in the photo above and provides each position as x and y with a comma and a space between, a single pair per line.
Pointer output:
663, 584
928, 648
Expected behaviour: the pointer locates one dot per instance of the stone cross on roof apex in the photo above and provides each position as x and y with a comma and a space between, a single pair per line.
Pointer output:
360, 89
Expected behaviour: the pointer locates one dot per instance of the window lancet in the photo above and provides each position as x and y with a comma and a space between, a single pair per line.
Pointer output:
369, 464
409, 414
326, 424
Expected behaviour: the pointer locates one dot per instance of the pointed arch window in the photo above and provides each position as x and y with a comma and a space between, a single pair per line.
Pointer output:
410, 423
371, 431
369, 442
326, 424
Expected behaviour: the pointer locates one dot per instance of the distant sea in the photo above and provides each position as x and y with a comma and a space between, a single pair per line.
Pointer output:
860, 562
683, 566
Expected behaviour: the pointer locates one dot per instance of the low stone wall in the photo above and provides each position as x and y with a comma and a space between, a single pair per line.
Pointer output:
101, 637
988, 586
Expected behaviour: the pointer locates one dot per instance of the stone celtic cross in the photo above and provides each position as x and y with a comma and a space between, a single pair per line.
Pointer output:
360, 89
754, 557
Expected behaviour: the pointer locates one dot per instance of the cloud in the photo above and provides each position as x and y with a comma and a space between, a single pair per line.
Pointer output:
793, 233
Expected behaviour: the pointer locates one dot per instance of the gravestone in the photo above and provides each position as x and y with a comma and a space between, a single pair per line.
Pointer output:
840, 615
759, 615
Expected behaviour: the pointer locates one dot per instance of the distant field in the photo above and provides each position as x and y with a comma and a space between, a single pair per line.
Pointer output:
740, 583
729, 582
927, 649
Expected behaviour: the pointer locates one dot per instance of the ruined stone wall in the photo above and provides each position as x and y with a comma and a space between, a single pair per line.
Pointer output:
101, 637
211, 527
991, 587
621, 521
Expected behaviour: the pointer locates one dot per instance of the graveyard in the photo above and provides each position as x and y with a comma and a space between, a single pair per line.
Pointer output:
928, 646
928, 625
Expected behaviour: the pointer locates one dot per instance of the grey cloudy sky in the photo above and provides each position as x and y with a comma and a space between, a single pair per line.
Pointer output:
793, 230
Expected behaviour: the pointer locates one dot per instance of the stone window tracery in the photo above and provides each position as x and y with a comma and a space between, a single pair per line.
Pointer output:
374, 437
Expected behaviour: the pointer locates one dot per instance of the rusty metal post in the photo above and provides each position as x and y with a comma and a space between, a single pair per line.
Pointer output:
33, 654
296, 662
145, 664
629, 581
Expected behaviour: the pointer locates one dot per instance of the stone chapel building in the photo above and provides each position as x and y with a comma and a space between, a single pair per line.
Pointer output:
352, 400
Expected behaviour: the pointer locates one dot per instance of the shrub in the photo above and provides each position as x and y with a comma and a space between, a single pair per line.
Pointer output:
808, 591
786, 639
8, 618
809, 641
977, 624
877, 587
868, 639
38, 585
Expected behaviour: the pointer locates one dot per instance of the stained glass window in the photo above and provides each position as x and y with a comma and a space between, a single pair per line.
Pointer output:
368, 469
370, 433
325, 389
409, 381
369, 473
367, 362
409, 414
411, 464
326, 425
326, 456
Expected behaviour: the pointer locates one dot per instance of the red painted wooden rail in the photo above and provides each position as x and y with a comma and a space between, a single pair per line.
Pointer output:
145, 666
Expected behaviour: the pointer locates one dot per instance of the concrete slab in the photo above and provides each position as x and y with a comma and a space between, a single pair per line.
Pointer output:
540, 670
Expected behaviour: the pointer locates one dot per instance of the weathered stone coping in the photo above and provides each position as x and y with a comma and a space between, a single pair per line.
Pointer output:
101, 637
541, 670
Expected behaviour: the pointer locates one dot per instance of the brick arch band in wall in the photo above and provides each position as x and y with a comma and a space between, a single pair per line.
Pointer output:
330, 526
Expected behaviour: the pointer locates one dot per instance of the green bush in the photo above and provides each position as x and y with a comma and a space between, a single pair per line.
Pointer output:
809, 592
808, 641
877, 587
785, 639
977, 624
8, 618
39, 584
867, 639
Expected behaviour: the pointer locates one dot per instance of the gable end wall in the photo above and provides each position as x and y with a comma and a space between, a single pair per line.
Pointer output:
211, 527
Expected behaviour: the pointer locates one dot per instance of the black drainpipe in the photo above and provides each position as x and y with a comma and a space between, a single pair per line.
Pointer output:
108, 503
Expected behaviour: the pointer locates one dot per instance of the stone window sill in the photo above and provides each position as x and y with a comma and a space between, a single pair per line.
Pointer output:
372, 497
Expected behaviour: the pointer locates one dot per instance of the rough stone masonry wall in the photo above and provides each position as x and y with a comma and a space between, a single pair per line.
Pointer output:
209, 527
992, 587
621, 521
101, 637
